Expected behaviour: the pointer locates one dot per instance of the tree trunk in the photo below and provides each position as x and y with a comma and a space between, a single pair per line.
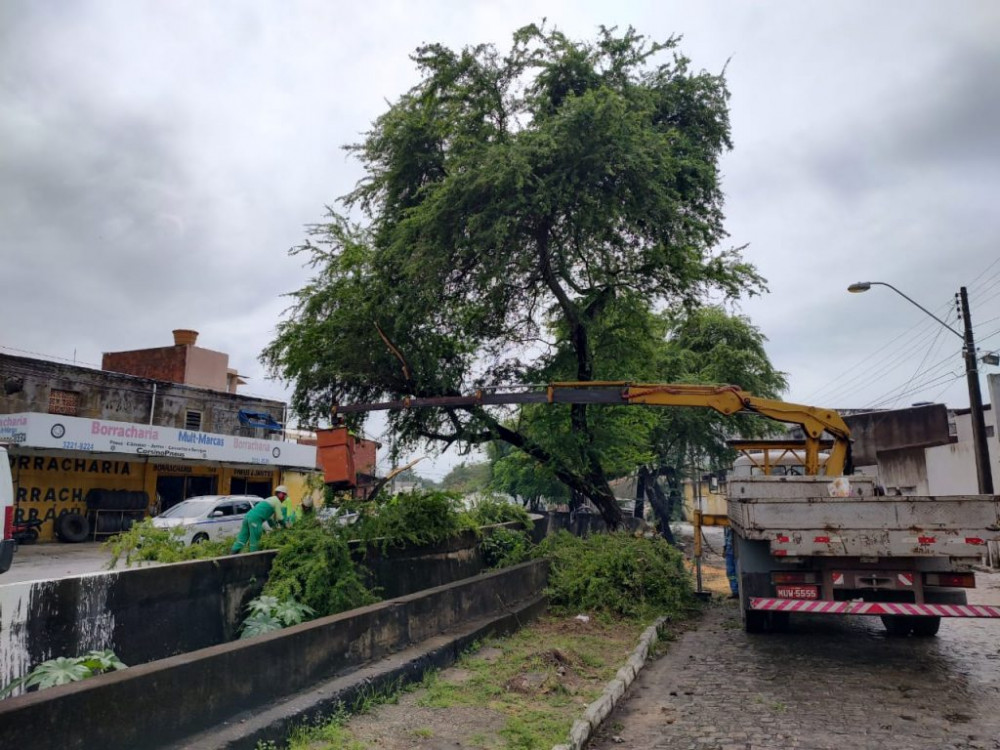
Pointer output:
593, 485
661, 504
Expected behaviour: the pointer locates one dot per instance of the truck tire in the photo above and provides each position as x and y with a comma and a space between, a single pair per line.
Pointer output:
73, 527
754, 621
926, 626
897, 626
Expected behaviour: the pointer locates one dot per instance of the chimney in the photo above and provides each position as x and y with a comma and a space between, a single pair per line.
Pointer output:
185, 337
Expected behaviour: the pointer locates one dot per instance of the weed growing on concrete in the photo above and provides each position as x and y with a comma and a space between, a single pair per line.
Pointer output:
65, 669
267, 613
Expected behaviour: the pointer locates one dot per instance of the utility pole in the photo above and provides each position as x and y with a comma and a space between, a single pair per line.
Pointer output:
983, 470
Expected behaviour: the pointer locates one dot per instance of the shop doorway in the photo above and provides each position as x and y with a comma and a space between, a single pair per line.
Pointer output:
171, 490
244, 486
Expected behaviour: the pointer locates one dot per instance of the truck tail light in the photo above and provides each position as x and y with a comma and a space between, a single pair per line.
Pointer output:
952, 580
794, 576
8, 522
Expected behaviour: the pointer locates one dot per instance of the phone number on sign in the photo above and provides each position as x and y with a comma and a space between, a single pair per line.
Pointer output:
72, 445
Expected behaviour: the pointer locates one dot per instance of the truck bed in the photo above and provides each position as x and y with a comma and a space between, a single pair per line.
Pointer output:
798, 517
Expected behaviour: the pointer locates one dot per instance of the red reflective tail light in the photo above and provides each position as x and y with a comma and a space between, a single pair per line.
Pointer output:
952, 580
793, 576
8, 522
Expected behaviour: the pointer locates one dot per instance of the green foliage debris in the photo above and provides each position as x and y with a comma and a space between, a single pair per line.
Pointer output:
617, 574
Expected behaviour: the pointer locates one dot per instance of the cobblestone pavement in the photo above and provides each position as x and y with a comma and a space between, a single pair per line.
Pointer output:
827, 683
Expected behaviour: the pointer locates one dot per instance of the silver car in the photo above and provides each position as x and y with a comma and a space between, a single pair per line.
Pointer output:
207, 517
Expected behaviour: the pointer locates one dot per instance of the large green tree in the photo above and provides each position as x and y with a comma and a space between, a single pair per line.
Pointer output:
507, 196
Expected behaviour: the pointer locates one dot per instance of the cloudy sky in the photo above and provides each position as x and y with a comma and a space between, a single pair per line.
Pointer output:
158, 159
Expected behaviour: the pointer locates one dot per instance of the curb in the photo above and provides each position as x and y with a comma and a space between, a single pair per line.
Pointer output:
583, 729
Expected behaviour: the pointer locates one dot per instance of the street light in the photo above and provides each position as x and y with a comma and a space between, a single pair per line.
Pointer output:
983, 471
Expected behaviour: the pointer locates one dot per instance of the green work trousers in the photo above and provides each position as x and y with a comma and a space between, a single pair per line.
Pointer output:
250, 530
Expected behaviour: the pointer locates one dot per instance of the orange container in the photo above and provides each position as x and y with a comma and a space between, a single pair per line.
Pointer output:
335, 449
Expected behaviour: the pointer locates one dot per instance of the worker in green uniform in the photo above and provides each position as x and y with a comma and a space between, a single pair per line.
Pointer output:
269, 510
287, 511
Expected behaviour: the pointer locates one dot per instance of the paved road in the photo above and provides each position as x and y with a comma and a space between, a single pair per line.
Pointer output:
828, 683
57, 560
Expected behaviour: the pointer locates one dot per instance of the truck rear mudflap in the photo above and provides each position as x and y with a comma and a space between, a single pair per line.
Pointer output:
813, 606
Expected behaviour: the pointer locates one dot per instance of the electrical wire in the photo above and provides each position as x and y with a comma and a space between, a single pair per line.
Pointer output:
919, 367
883, 362
944, 378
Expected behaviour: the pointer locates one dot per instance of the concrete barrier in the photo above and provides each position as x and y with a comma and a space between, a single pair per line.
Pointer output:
145, 614
141, 613
154, 704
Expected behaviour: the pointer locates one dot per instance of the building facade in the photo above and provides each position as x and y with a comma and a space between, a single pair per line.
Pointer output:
167, 425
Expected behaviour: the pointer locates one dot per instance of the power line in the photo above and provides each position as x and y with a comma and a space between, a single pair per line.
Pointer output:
882, 361
919, 330
946, 378
927, 353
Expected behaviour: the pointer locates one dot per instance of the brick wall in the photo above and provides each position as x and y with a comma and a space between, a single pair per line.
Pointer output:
164, 363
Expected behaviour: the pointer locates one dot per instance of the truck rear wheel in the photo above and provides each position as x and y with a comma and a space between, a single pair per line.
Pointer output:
897, 626
754, 621
926, 627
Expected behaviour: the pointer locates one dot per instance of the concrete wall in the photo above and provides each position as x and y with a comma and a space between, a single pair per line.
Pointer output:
25, 386
154, 704
916, 427
142, 614
145, 614
951, 470
906, 470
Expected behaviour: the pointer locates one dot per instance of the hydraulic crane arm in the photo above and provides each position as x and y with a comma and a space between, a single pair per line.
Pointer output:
725, 399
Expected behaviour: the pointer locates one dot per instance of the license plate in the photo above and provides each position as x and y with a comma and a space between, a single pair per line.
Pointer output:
798, 592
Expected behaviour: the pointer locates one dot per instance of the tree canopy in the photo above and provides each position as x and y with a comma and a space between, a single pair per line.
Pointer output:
521, 214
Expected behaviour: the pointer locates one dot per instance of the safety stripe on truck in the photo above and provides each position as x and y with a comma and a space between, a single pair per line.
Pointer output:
873, 608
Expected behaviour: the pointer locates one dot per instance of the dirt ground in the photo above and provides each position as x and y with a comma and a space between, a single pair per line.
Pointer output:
414, 722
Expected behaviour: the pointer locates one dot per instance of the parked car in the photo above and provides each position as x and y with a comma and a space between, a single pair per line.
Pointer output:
339, 515
207, 516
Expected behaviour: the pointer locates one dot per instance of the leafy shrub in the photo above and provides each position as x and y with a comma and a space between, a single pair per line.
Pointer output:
65, 669
146, 542
502, 547
314, 566
617, 574
268, 613
491, 510
413, 518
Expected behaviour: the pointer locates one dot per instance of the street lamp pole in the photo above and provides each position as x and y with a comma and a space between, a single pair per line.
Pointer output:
984, 473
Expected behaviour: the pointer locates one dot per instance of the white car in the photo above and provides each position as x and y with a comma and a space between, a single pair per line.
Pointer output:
207, 517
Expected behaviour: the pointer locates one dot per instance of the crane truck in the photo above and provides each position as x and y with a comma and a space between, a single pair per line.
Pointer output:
826, 542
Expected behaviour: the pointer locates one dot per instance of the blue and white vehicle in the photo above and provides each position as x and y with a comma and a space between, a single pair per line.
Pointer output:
206, 517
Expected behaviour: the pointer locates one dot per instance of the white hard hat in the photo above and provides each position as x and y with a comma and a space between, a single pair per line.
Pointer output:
281, 489
307, 501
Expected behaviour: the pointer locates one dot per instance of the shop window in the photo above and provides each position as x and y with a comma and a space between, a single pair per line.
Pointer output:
192, 421
64, 402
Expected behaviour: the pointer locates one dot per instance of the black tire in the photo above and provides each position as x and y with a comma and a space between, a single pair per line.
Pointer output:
199, 538
754, 621
73, 528
897, 626
926, 626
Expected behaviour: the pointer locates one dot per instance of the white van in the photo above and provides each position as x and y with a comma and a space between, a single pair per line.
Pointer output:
7, 543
